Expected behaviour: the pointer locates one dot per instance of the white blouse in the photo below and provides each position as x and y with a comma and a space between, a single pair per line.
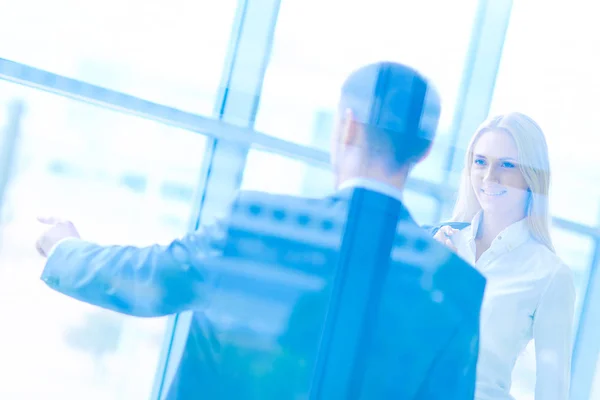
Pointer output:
529, 294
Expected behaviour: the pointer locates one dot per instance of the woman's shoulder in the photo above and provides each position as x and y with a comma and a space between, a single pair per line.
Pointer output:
557, 271
546, 255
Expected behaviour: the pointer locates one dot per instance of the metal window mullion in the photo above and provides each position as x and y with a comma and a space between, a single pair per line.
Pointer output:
477, 84
178, 325
225, 156
222, 130
9, 140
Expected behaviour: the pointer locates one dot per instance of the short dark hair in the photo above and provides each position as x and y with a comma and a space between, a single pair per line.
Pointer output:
398, 107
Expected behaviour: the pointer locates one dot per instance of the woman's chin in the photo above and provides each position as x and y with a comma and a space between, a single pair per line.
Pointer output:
492, 205
508, 210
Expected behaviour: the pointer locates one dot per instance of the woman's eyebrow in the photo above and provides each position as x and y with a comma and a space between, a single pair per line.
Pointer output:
511, 159
507, 159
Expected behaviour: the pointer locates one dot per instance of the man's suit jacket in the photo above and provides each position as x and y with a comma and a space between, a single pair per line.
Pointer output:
407, 328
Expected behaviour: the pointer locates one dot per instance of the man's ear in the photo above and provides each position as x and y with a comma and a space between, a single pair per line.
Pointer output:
349, 133
425, 153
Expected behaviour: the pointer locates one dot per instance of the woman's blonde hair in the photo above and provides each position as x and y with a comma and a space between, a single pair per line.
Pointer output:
533, 164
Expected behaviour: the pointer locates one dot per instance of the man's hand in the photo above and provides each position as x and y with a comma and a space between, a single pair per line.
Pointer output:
59, 229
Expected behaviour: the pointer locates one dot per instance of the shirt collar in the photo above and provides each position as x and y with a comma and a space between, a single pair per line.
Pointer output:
511, 236
373, 185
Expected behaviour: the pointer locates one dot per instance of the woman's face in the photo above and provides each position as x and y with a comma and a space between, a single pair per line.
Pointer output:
495, 175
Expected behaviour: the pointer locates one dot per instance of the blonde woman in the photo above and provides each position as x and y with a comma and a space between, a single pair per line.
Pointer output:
530, 292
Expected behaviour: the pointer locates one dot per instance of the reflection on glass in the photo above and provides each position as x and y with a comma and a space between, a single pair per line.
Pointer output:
307, 67
123, 180
273, 173
567, 113
423, 208
559, 89
171, 53
595, 391
576, 250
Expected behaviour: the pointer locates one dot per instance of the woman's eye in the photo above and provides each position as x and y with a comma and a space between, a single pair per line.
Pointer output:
507, 164
479, 161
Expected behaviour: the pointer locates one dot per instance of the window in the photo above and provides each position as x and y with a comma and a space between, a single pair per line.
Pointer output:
576, 250
273, 173
105, 172
168, 52
308, 66
559, 88
423, 208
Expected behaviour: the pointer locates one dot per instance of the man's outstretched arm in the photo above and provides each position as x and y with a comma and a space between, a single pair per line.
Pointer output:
140, 281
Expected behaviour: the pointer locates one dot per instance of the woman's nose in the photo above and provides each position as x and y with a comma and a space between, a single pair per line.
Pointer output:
491, 175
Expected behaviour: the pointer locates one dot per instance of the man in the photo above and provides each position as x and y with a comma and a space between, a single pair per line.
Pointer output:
418, 338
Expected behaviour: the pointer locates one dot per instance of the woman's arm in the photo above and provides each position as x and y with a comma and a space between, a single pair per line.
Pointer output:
552, 333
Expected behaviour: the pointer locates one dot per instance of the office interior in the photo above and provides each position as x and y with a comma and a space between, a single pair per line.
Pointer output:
140, 119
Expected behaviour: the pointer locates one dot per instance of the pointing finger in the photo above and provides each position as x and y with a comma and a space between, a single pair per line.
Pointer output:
49, 220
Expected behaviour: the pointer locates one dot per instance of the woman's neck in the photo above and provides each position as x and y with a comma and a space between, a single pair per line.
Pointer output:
492, 224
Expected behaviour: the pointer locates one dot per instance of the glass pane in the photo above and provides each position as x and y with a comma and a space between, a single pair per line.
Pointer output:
595, 391
167, 52
123, 180
559, 89
576, 250
308, 66
423, 208
273, 173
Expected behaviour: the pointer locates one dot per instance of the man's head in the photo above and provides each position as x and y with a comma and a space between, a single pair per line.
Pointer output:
388, 115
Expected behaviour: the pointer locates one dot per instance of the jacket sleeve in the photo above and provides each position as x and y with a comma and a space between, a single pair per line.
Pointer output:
139, 281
